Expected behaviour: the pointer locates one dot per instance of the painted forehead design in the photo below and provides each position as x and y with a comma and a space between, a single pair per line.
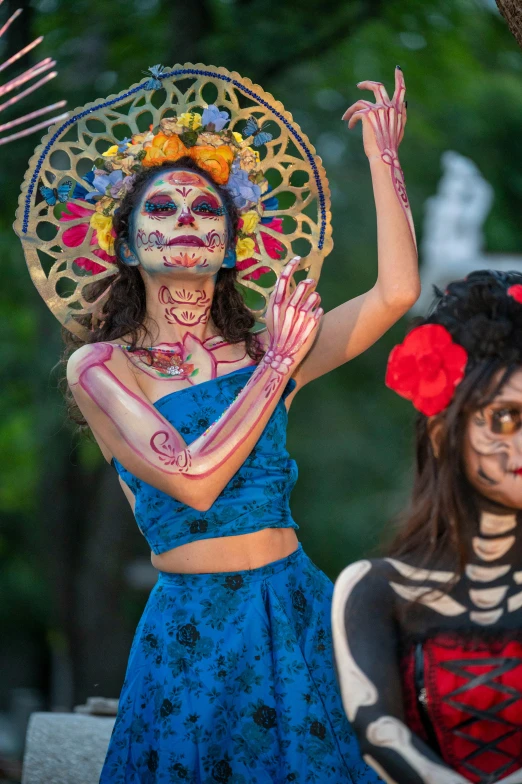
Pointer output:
183, 183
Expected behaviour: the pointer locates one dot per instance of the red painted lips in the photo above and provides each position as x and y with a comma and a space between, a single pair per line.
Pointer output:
188, 240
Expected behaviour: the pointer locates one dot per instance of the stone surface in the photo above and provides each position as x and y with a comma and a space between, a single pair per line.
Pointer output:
98, 706
65, 748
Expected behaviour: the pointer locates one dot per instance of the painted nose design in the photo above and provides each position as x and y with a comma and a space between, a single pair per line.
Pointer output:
186, 218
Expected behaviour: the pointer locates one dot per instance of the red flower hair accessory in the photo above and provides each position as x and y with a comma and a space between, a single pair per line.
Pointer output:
426, 368
516, 292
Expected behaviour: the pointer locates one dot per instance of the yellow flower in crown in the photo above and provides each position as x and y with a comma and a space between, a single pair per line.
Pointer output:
237, 136
250, 220
103, 226
190, 120
111, 151
244, 248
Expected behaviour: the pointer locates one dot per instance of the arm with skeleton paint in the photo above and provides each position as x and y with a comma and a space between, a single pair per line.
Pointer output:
366, 647
351, 328
125, 420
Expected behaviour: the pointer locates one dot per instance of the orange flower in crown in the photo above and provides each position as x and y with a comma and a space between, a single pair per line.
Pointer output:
223, 153
163, 148
216, 160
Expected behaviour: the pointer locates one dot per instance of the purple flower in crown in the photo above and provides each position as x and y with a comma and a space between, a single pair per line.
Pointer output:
120, 189
241, 188
102, 181
114, 184
212, 116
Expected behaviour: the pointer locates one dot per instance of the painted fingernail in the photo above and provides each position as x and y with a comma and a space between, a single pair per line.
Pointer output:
398, 66
406, 104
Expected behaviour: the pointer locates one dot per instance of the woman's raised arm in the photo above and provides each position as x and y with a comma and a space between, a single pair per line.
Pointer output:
146, 443
354, 326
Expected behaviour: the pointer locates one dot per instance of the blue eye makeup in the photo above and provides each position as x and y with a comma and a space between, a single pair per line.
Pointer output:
204, 207
155, 206
207, 205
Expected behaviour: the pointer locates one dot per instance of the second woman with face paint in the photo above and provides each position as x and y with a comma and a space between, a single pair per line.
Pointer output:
428, 641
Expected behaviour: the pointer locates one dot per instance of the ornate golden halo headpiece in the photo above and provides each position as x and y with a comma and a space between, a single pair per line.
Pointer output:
64, 215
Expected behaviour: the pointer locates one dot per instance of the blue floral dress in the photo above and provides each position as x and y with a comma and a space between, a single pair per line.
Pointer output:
230, 677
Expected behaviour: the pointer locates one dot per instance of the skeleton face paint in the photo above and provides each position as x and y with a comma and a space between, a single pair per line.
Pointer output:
493, 446
180, 226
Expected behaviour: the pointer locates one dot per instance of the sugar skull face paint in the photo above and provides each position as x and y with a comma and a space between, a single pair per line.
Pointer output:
493, 446
180, 226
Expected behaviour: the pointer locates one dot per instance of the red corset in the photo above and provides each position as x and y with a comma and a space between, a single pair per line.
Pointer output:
464, 697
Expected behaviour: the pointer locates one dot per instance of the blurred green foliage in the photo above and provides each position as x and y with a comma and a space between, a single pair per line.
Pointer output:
351, 437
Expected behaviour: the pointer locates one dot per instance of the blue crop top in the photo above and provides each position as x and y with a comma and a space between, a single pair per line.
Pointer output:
256, 497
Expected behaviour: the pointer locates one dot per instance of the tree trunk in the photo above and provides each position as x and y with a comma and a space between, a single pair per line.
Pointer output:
511, 10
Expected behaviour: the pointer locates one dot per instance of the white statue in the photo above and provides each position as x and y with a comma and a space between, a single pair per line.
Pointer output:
453, 237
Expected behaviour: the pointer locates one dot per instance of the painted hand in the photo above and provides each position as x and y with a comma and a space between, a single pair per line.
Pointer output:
383, 128
383, 121
292, 321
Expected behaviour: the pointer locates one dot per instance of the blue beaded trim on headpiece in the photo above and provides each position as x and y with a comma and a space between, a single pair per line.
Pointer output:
183, 72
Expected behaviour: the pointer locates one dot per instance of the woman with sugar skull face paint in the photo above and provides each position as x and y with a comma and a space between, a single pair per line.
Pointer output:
428, 641
230, 676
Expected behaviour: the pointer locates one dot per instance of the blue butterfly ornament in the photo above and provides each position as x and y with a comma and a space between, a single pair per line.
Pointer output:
156, 72
59, 194
260, 134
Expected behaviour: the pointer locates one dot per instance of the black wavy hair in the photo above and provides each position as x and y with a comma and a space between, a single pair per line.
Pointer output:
482, 317
124, 311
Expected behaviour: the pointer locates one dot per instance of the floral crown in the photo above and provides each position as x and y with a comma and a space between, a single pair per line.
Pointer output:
475, 320
228, 126
226, 155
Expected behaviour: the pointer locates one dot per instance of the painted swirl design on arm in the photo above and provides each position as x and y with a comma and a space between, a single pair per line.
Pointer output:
168, 452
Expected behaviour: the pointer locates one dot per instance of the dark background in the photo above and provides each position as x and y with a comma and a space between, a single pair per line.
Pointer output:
69, 601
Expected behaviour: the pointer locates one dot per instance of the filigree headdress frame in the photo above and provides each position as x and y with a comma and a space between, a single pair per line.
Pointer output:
55, 221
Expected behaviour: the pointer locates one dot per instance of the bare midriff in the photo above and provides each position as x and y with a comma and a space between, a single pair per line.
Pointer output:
228, 553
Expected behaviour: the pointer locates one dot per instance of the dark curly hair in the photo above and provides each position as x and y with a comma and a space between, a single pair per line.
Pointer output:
124, 311
483, 318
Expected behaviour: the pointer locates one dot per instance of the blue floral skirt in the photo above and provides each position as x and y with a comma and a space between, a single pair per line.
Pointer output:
230, 681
